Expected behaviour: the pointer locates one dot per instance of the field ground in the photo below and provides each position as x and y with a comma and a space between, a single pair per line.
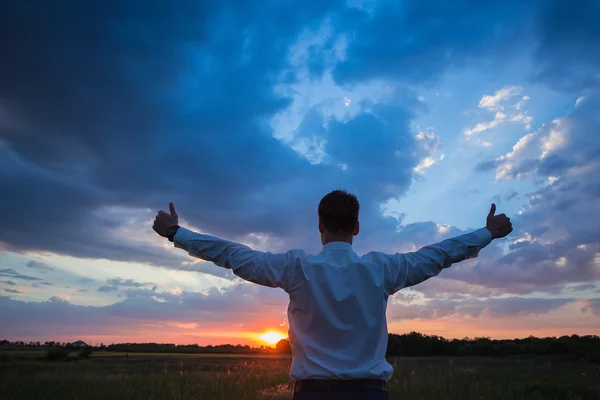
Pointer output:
118, 354
153, 376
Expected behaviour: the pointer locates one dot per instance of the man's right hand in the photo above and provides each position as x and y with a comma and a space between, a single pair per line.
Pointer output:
165, 220
498, 225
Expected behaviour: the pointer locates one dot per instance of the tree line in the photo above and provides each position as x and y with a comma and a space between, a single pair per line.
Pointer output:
142, 347
417, 344
412, 344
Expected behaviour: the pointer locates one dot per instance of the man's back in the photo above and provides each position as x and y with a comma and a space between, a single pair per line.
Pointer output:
338, 328
337, 317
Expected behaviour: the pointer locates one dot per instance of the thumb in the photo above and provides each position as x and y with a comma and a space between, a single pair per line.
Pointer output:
492, 210
172, 210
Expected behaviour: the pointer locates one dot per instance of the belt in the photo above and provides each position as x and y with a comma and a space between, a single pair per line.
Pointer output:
339, 385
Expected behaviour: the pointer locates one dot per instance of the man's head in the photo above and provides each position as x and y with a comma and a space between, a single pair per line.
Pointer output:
338, 217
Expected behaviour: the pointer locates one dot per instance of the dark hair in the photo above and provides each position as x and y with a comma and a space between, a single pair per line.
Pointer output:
338, 211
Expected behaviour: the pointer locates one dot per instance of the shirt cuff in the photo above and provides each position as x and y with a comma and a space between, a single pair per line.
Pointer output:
483, 236
183, 237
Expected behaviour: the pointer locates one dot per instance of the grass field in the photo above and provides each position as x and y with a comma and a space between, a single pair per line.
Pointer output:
24, 376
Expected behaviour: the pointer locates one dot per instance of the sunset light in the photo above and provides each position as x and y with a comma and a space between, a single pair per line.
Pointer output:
370, 199
271, 337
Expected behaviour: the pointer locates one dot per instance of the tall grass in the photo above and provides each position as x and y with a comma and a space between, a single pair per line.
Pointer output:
187, 378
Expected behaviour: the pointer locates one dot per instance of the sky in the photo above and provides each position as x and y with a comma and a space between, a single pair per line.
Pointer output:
244, 114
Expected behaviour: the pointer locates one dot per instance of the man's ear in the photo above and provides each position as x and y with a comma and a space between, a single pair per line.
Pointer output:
356, 229
321, 227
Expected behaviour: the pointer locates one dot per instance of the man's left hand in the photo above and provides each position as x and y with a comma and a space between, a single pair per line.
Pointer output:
165, 220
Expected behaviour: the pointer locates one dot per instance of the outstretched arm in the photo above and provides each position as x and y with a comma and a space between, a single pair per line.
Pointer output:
404, 270
263, 268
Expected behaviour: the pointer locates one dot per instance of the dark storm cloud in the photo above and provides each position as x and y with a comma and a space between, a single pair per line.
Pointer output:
145, 106
569, 44
415, 41
135, 106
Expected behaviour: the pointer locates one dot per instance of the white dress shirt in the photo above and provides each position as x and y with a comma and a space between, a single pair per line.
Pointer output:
338, 299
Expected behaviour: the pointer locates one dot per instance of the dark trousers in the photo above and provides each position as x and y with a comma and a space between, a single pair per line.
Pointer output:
360, 389
343, 395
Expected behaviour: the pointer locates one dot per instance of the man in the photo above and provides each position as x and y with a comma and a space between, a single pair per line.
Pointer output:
338, 299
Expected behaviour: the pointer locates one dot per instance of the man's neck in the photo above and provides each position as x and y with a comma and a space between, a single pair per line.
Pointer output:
333, 239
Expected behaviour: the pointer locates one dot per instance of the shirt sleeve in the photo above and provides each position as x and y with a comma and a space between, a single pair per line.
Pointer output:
409, 269
263, 268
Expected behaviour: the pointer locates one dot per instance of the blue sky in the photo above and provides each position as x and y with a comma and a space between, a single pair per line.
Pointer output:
246, 114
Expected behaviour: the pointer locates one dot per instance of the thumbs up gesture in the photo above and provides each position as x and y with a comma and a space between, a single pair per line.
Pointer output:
498, 225
164, 220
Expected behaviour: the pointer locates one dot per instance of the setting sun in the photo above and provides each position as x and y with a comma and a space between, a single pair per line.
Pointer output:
271, 337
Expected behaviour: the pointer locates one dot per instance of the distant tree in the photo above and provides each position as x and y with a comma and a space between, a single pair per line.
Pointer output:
414, 344
57, 355
86, 352
283, 346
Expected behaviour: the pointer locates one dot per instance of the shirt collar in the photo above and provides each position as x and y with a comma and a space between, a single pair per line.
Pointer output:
337, 246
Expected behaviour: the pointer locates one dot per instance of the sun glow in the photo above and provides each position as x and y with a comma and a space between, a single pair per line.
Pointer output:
271, 337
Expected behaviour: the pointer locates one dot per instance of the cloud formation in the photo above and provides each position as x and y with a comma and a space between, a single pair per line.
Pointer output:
11, 273
115, 110
554, 238
494, 307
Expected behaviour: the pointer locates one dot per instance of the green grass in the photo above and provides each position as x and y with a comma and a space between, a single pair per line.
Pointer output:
189, 377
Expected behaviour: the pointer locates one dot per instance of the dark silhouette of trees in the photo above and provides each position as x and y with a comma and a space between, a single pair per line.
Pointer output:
417, 344
86, 352
283, 346
57, 354
413, 344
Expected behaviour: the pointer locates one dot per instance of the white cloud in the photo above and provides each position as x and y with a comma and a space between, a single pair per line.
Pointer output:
579, 100
519, 104
558, 243
525, 119
492, 102
555, 139
425, 164
508, 162
484, 126
430, 144
504, 110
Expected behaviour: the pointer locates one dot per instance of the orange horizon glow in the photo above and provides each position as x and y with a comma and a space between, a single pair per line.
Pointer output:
567, 320
271, 337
